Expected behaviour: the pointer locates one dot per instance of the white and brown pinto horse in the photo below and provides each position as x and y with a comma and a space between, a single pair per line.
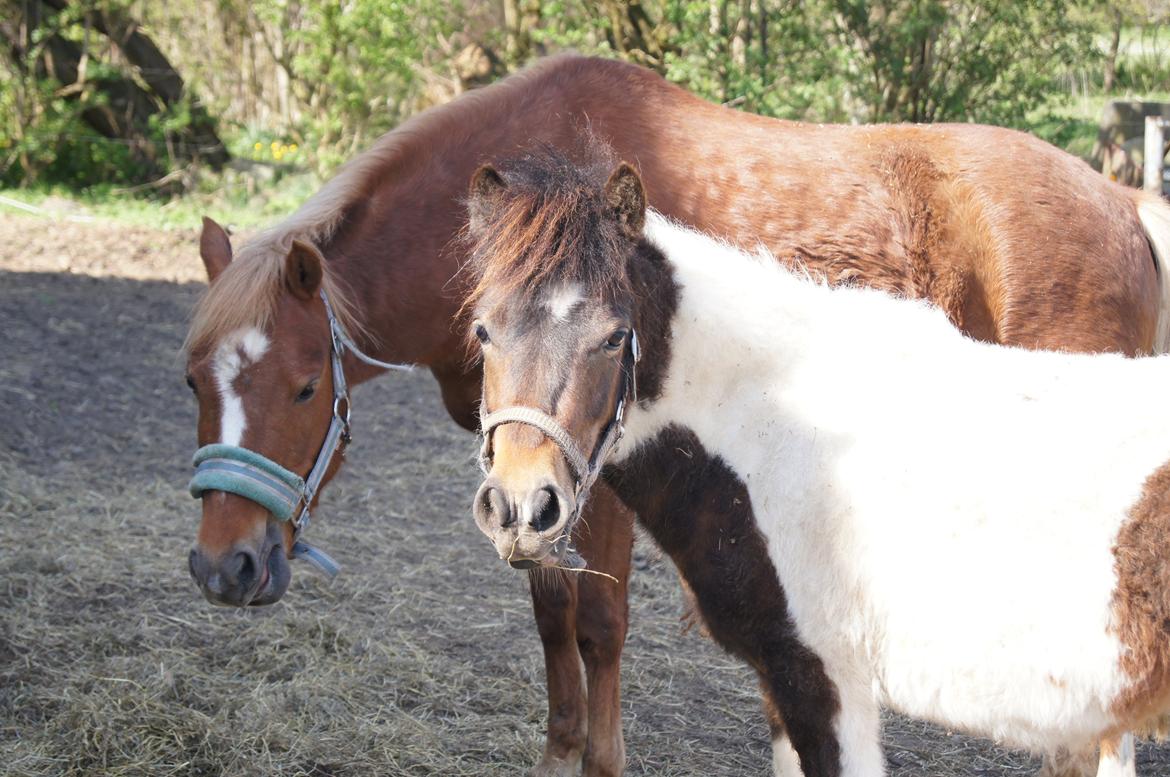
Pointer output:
1017, 241
870, 508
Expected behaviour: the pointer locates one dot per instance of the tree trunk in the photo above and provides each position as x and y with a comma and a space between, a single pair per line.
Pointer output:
130, 107
1111, 57
634, 34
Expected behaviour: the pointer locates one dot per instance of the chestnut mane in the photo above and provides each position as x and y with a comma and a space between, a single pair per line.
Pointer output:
247, 291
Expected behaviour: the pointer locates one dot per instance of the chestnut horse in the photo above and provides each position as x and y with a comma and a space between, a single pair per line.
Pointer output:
869, 507
1019, 242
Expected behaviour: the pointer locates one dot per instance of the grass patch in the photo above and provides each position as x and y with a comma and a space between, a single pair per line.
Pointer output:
240, 199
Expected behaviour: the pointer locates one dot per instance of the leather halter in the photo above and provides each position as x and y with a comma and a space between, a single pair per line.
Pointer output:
246, 473
585, 469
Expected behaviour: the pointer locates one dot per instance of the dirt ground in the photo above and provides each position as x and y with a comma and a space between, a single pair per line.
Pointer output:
419, 659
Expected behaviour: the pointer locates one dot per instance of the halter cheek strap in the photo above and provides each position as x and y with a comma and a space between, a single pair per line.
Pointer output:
585, 469
246, 473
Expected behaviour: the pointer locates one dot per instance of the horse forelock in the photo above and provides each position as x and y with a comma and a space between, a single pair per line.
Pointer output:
246, 294
550, 225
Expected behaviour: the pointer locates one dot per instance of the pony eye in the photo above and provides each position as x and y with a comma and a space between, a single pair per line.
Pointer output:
481, 334
616, 340
307, 392
191, 384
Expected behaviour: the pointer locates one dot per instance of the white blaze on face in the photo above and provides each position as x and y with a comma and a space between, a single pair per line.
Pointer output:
562, 299
237, 351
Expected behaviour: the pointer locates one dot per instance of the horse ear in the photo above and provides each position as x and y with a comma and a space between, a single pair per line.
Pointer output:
625, 195
486, 187
214, 248
303, 268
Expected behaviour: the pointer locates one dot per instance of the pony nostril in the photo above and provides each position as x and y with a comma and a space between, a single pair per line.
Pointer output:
545, 509
242, 570
249, 569
492, 508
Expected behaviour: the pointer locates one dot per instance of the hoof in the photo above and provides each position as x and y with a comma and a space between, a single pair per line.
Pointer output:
553, 767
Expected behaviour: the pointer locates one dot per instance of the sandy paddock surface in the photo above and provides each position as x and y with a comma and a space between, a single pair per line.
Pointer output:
420, 659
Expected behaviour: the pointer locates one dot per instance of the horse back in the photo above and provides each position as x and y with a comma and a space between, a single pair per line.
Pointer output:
1019, 242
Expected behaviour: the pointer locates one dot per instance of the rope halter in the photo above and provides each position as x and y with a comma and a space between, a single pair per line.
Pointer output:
586, 469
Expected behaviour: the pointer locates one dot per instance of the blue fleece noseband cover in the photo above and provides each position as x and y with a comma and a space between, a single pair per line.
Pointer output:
246, 473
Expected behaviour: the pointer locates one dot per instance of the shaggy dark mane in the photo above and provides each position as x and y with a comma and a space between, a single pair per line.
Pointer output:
549, 224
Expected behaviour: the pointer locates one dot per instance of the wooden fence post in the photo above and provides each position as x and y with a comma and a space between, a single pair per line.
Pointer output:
1152, 158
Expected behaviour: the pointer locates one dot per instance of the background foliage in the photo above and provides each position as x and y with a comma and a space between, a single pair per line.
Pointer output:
304, 84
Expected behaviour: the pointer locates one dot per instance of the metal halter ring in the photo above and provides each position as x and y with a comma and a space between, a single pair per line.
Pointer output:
337, 408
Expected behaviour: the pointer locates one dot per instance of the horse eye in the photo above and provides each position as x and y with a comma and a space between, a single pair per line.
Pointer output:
191, 384
307, 392
481, 334
616, 339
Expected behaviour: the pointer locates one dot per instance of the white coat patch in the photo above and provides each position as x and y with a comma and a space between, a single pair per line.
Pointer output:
561, 300
941, 512
237, 351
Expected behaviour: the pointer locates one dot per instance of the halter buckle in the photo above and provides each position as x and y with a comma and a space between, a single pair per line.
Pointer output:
301, 521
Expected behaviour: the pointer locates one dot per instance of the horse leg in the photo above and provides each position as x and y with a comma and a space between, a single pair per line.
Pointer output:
554, 603
1117, 757
858, 726
1065, 763
785, 761
851, 747
605, 539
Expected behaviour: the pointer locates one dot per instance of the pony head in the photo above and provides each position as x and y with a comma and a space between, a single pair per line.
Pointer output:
553, 313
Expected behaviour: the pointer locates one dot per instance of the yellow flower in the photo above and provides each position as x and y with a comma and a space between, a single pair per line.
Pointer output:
258, 146
293, 147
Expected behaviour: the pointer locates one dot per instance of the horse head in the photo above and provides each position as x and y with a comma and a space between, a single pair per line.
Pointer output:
553, 313
262, 363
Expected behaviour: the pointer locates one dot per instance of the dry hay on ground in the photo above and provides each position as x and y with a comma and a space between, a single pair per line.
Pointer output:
420, 659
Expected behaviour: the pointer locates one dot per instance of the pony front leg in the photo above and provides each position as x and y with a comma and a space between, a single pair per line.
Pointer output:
785, 761
858, 724
554, 603
1117, 757
848, 746
605, 538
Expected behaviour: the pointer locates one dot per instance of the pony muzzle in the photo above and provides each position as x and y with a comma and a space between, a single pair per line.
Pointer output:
529, 527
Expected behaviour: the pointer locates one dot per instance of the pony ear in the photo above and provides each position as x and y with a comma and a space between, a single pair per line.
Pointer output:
625, 195
303, 268
214, 248
486, 187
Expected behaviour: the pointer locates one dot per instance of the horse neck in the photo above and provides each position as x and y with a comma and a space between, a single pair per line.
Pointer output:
744, 324
737, 317
399, 245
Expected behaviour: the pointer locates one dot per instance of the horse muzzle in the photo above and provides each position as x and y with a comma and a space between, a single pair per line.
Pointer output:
246, 574
528, 528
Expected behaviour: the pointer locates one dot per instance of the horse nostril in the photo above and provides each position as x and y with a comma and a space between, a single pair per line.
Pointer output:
248, 569
545, 509
492, 508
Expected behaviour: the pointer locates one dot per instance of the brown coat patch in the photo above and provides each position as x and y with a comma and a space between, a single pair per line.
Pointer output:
701, 514
1141, 603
